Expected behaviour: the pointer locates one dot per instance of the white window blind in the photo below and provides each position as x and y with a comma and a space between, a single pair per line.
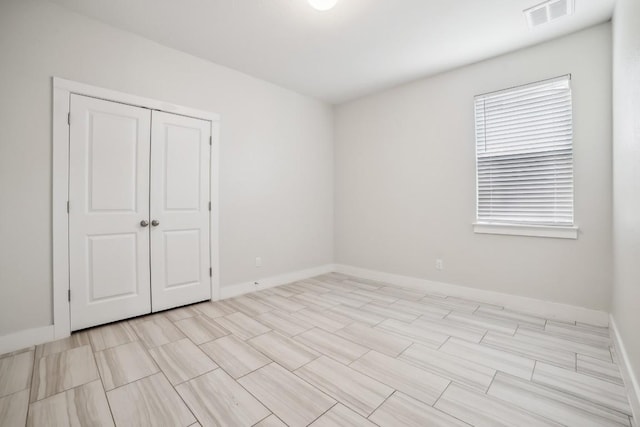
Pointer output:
524, 154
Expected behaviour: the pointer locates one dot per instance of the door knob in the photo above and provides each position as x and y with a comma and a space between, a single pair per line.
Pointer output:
155, 223
144, 223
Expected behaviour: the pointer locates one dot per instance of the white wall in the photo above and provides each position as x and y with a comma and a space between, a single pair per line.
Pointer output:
276, 163
626, 177
405, 179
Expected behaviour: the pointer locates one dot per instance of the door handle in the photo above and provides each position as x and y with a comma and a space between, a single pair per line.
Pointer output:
155, 223
144, 223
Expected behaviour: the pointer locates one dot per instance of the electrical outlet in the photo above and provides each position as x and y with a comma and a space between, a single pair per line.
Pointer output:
439, 264
258, 261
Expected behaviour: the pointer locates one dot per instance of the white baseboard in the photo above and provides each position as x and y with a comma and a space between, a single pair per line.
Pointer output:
26, 338
628, 374
270, 282
546, 309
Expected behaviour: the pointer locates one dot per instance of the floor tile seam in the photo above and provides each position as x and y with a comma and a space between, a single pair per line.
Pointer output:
615, 381
131, 382
370, 348
351, 363
71, 388
299, 333
432, 406
550, 336
265, 333
120, 345
258, 368
578, 330
239, 337
322, 353
263, 418
417, 317
204, 342
434, 369
413, 340
95, 361
434, 326
229, 333
413, 343
508, 352
192, 342
519, 323
573, 354
31, 380
18, 351
515, 406
112, 346
495, 374
318, 390
322, 414
577, 340
175, 390
355, 320
303, 365
381, 404
396, 388
144, 343
339, 329
187, 380
294, 372
497, 369
374, 299
442, 394
559, 388
561, 391
64, 392
274, 308
571, 406
158, 369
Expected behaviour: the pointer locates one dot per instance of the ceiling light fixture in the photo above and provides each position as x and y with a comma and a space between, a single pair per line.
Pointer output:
322, 5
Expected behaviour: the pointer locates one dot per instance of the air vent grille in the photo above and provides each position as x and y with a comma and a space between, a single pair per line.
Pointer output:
548, 11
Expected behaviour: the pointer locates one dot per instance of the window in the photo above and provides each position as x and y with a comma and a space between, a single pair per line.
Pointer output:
524, 158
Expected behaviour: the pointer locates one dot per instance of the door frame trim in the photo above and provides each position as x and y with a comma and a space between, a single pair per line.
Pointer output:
62, 90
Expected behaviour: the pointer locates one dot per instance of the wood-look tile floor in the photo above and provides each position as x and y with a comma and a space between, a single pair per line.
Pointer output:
329, 351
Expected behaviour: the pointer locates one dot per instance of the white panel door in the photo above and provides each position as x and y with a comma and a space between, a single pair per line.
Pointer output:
180, 162
109, 200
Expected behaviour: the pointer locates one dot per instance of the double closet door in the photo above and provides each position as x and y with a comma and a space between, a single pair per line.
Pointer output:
139, 211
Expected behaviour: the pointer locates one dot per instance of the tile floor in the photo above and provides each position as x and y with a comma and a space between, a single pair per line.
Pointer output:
330, 351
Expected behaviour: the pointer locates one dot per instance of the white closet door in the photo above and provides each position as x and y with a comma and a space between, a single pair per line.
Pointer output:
180, 161
109, 197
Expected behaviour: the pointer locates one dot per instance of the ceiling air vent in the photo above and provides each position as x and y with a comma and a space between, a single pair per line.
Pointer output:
548, 11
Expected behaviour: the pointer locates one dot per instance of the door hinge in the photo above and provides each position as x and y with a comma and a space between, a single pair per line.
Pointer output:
210, 140
210, 272
209, 205
67, 206
69, 295
69, 119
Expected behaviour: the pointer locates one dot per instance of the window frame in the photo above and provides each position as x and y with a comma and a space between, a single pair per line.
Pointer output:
530, 229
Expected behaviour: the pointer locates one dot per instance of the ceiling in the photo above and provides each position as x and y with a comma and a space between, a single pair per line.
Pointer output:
359, 47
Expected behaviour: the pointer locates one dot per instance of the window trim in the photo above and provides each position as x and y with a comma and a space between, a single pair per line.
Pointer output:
557, 232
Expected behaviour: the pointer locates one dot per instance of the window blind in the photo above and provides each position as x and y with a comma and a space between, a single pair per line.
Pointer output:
524, 154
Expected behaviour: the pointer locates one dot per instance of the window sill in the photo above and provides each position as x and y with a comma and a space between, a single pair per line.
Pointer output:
527, 230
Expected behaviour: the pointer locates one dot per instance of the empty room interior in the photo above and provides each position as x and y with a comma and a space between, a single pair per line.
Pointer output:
320, 213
